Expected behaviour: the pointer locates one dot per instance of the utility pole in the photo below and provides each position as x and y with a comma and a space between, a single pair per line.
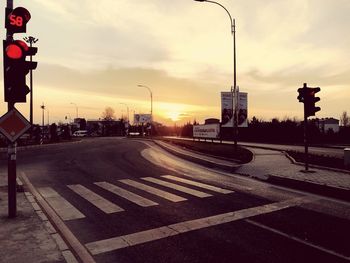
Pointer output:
11, 150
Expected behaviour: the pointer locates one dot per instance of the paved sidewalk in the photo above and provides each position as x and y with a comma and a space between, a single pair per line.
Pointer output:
274, 166
29, 237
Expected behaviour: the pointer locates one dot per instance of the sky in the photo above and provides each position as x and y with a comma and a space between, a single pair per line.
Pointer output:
94, 54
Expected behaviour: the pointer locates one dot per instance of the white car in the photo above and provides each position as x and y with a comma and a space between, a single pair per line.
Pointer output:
81, 133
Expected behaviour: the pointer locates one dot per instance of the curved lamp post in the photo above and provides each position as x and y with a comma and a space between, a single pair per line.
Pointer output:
151, 104
234, 89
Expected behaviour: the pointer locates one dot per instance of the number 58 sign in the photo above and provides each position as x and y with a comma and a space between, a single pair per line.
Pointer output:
16, 20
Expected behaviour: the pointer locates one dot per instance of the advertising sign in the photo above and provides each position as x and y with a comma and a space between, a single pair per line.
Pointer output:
208, 131
142, 118
226, 109
242, 109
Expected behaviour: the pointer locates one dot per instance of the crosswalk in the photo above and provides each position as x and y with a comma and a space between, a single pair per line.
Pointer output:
130, 190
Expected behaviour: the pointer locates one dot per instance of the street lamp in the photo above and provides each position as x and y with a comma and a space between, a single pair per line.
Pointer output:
151, 104
76, 108
235, 88
127, 108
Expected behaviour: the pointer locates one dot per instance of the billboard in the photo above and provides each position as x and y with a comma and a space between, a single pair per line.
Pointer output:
208, 131
242, 109
142, 118
226, 109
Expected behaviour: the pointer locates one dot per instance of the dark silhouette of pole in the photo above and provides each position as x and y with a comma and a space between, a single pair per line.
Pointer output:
31, 40
150, 91
11, 151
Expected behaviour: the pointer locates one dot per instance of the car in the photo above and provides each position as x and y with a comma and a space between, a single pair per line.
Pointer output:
80, 133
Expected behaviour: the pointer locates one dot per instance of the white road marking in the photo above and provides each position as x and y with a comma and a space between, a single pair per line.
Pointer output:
298, 240
130, 240
152, 190
98, 201
177, 187
201, 185
139, 200
60, 205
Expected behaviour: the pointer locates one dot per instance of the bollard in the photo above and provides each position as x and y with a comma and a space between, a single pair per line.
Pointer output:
347, 158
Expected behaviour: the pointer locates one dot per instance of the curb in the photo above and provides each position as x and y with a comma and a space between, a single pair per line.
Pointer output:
64, 234
325, 190
207, 163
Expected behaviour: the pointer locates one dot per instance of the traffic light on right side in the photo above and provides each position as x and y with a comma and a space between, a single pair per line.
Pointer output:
16, 68
310, 100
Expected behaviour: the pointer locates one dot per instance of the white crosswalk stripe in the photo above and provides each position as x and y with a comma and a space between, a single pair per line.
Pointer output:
177, 187
139, 200
98, 201
61, 206
201, 185
153, 190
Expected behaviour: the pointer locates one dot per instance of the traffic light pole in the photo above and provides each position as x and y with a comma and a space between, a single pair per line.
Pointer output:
306, 157
11, 151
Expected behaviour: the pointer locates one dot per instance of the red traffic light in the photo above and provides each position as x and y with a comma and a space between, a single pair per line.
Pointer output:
14, 51
16, 20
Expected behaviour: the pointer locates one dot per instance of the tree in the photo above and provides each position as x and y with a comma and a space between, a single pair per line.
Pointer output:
108, 114
344, 119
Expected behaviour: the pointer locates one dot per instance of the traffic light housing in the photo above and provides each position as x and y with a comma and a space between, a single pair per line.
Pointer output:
16, 68
307, 96
16, 20
310, 100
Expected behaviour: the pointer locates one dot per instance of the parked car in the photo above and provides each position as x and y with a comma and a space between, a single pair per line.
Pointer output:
81, 133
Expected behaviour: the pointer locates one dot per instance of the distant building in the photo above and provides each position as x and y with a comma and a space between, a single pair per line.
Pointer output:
328, 124
211, 121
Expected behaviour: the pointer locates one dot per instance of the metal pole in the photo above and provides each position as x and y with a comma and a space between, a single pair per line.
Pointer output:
11, 151
151, 105
234, 89
306, 136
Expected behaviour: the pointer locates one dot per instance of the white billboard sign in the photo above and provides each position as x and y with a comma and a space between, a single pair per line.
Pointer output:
226, 109
242, 109
142, 118
208, 131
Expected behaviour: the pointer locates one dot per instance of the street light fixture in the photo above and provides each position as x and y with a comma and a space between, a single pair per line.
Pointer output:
234, 89
127, 108
151, 104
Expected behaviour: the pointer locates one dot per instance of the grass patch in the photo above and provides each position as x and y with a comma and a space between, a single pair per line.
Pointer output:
225, 151
322, 160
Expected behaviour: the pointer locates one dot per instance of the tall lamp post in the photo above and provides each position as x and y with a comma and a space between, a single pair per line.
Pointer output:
127, 108
76, 108
234, 89
151, 104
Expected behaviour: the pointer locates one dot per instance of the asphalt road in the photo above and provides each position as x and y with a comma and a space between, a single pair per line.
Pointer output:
127, 201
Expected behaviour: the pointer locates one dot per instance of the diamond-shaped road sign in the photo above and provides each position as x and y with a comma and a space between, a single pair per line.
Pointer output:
13, 124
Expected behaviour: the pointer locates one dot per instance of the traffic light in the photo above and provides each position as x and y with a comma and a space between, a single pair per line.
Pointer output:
16, 20
310, 100
301, 96
15, 51
307, 96
16, 68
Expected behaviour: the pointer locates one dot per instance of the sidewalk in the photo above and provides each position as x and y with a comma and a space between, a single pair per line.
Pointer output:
29, 237
275, 167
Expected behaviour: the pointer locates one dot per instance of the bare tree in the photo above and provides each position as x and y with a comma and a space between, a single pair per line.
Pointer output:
108, 114
344, 119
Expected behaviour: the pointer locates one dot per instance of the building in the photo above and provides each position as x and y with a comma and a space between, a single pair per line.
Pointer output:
327, 125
